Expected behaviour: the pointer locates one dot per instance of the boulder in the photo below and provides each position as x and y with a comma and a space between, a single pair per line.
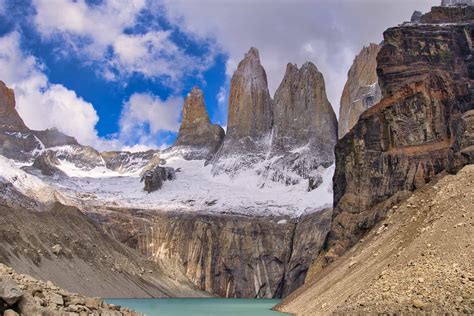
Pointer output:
10, 293
154, 179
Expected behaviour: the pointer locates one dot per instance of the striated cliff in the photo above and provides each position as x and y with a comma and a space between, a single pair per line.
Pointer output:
419, 129
362, 89
304, 127
198, 139
250, 118
226, 255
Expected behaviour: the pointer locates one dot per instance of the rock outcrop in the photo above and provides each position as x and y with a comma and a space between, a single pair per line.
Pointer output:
127, 162
198, 139
304, 128
47, 163
415, 133
153, 179
250, 118
362, 89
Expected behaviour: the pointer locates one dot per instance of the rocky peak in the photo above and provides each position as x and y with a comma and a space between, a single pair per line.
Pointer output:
10, 120
197, 136
302, 112
361, 90
250, 112
305, 126
250, 117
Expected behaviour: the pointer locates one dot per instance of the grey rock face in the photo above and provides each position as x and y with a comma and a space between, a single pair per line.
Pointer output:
361, 91
234, 256
250, 118
154, 179
197, 138
305, 126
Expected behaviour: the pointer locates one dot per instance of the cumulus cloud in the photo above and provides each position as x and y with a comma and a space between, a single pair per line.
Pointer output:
145, 117
42, 104
327, 32
102, 33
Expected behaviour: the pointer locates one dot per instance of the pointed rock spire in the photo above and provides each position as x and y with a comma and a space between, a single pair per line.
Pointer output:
196, 133
250, 117
250, 112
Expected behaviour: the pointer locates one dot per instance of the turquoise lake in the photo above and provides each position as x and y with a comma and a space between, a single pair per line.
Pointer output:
200, 306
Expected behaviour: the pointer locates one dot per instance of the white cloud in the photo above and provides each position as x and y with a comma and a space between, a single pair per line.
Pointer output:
42, 104
99, 33
145, 116
327, 32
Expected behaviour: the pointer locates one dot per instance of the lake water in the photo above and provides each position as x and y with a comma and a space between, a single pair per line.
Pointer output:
200, 306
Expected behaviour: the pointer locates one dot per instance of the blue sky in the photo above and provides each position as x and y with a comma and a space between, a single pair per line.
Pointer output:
114, 73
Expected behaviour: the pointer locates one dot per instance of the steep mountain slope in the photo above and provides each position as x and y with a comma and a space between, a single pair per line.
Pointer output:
418, 260
419, 129
362, 89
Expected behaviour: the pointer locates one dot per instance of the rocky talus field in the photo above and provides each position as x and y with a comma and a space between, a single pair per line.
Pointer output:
416, 261
21, 294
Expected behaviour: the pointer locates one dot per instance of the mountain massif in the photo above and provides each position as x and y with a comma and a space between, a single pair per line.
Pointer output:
252, 212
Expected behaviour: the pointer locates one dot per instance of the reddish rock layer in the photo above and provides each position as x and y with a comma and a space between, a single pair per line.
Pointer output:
417, 131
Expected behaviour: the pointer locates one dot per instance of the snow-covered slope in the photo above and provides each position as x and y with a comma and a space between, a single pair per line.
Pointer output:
25, 183
194, 190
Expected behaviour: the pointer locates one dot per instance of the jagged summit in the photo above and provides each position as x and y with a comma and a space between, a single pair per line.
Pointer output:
198, 138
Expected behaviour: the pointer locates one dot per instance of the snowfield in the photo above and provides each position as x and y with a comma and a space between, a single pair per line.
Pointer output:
195, 189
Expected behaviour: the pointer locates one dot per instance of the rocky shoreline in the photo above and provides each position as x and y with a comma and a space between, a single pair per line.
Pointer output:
21, 294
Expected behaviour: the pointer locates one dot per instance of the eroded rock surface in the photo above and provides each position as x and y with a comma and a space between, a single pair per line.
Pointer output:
304, 128
227, 255
362, 89
250, 118
412, 135
197, 138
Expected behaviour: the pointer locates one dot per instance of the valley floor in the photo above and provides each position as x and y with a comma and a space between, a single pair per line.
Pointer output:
418, 260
